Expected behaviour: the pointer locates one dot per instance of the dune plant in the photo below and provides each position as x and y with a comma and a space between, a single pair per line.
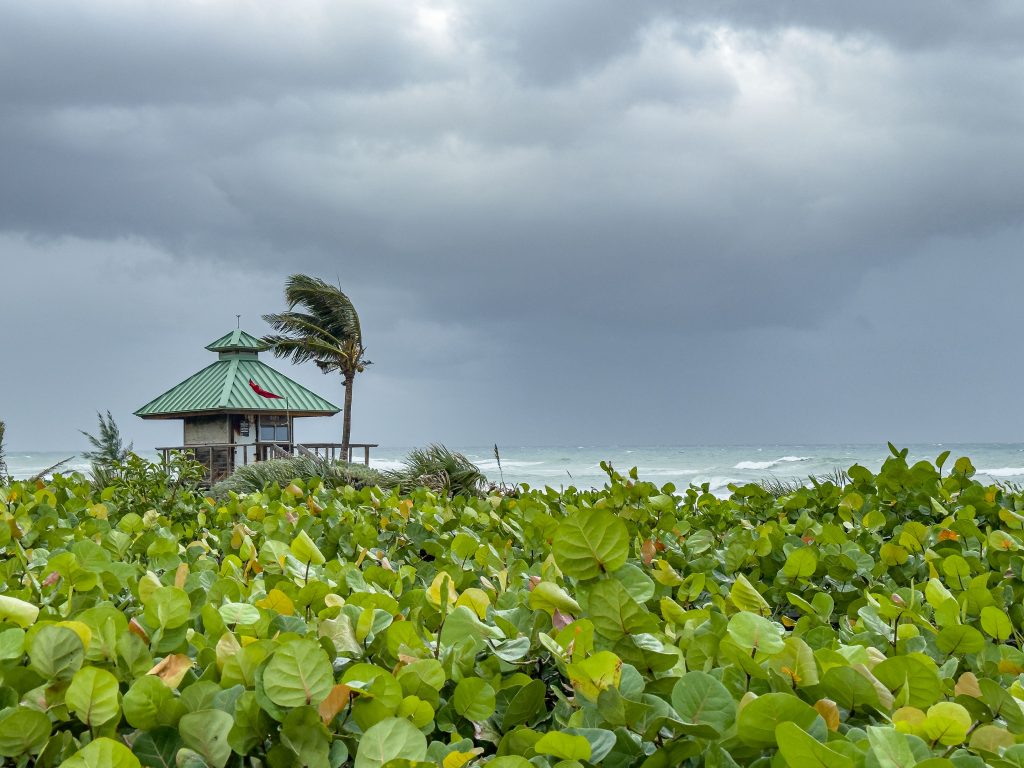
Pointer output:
108, 449
441, 469
874, 623
255, 477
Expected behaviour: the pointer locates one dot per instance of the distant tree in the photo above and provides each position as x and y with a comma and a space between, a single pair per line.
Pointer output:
3, 457
322, 326
108, 449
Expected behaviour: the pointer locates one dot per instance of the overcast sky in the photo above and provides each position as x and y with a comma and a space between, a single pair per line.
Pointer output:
572, 222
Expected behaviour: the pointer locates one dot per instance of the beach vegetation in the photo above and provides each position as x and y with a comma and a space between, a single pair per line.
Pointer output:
442, 470
876, 622
108, 451
322, 326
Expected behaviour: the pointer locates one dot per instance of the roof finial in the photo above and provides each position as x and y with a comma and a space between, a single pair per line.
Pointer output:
238, 321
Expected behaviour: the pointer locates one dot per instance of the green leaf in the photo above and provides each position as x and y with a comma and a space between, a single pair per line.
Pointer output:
239, 613
527, 702
549, 597
959, 639
93, 696
746, 598
157, 748
754, 633
702, 700
801, 563
801, 749
23, 731
145, 702
167, 608
996, 623
305, 734
474, 699
206, 732
390, 739
56, 652
305, 550
18, 611
758, 720
914, 679
102, 753
615, 614
564, 746
298, 674
590, 542
947, 723
890, 748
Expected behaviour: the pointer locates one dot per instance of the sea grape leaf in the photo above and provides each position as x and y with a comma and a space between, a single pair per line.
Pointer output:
167, 608
890, 748
146, 703
914, 679
760, 717
746, 598
549, 597
239, 613
206, 732
801, 563
306, 736
306, 551
298, 674
474, 699
701, 700
56, 652
23, 731
947, 723
615, 614
93, 696
390, 739
796, 662
754, 633
801, 749
103, 753
996, 623
595, 673
564, 746
959, 639
590, 542
20, 612
525, 704
157, 748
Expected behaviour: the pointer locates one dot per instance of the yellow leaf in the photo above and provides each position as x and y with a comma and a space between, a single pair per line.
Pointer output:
459, 759
278, 601
80, 629
967, 685
434, 590
829, 713
476, 600
180, 575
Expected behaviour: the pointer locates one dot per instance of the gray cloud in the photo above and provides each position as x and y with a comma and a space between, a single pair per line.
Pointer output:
597, 221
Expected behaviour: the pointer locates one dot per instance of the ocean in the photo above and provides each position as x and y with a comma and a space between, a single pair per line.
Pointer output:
579, 465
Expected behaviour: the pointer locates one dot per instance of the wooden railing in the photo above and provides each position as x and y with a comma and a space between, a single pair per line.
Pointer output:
221, 459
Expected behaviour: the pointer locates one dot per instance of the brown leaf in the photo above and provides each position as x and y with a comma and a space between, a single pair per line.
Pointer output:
647, 551
336, 701
136, 629
967, 685
180, 575
171, 669
829, 713
560, 621
52, 579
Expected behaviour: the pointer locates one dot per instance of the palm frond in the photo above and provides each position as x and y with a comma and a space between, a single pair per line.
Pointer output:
108, 447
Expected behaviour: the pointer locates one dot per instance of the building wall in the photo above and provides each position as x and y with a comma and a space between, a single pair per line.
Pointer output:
206, 429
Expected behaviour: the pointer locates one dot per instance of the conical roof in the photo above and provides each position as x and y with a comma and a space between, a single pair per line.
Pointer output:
226, 386
237, 341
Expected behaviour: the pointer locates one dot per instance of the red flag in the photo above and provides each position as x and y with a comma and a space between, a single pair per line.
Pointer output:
261, 391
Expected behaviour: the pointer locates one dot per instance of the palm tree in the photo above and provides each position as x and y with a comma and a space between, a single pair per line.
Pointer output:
326, 331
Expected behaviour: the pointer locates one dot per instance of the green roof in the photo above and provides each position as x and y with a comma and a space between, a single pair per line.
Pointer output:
237, 341
224, 387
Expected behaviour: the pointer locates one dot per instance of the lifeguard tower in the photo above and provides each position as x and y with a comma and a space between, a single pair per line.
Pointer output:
239, 410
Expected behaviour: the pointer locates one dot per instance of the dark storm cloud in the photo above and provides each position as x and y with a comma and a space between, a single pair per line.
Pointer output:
580, 188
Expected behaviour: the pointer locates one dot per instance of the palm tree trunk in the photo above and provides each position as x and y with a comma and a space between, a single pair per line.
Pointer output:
346, 425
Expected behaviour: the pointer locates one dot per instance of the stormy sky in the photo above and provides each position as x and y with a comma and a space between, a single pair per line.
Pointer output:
575, 222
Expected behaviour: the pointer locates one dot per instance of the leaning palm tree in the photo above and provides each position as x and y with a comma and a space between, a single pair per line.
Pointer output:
325, 331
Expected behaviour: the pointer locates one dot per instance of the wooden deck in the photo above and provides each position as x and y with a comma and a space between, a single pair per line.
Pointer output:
221, 459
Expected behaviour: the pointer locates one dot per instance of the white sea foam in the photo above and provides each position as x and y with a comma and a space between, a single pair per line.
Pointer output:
1003, 472
385, 464
769, 464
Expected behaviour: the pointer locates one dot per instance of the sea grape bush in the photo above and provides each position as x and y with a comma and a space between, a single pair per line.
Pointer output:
875, 624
